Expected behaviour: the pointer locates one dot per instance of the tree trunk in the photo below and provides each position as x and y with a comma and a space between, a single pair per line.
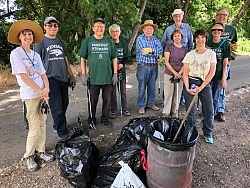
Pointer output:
241, 12
137, 25
184, 8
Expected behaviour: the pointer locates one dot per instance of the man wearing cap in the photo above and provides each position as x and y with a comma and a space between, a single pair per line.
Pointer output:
229, 34
99, 53
148, 49
187, 40
54, 56
222, 49
26, 64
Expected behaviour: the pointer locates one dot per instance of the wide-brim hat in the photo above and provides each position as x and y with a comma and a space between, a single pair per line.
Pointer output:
218, 26
177, 11
149, 22
21, 25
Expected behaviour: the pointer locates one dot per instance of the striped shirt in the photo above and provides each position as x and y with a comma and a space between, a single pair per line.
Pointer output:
143, 42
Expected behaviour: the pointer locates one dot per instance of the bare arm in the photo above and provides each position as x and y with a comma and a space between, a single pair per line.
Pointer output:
224, 73
209, 76
115, 65
45, 92
83, 66
70, 73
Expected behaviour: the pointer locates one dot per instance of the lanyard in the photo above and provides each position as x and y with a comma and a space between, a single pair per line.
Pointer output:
29, 56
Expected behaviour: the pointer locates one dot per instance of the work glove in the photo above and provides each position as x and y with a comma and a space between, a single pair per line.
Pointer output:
115, 79
72, 82
84, 80
44, 107
146, 51
234, 46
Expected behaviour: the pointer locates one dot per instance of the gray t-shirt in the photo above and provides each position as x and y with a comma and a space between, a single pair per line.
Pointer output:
53, 53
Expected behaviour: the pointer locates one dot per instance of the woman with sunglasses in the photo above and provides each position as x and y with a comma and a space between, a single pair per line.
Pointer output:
222, 49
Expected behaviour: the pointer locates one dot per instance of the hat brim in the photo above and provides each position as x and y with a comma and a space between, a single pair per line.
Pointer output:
21, 25
153, 25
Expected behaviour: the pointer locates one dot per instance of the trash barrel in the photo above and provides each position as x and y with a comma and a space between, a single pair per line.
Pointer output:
170, 164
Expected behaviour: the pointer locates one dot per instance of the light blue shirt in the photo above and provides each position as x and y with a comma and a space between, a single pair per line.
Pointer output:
143, 42
187, 40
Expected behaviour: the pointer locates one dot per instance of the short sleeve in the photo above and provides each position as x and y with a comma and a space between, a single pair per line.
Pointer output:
213, 56
187, 58
84, 49
17, 64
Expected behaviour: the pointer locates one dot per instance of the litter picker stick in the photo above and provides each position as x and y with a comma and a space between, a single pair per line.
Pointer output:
159, 83
92, 125
119, 91
186, 114
177, 101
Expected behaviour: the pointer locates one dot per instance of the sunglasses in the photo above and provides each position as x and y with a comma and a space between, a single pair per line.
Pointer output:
52, 25
217, 30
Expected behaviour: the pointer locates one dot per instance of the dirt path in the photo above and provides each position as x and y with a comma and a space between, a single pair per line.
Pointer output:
226, 163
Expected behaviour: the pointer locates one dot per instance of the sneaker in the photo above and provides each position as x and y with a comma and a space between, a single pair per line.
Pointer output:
31, 163
92, 123
113, 115
46, 157
127, 113
141, 111
155, 108
55, 131
220, 117
107, 123
209, 140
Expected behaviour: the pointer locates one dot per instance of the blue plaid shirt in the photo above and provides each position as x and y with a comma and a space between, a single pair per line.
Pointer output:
143, 42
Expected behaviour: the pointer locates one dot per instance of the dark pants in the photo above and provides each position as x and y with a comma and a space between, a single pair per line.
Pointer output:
58, 102
122, 94
106, 100
206, 99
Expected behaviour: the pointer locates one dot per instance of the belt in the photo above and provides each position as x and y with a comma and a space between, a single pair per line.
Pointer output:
147, 64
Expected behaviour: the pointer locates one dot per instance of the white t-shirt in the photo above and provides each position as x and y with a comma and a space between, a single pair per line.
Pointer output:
32, 66
199, 64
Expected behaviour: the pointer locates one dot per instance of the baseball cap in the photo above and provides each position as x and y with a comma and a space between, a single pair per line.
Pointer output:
49, 19
99, 20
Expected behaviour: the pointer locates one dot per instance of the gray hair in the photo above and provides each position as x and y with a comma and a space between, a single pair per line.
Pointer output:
114, 26
222, 9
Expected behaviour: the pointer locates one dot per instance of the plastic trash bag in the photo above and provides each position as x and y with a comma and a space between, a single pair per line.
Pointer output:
126, 178
77, 158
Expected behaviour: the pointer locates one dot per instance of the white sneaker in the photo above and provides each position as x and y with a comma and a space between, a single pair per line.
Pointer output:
31, 164
45, 156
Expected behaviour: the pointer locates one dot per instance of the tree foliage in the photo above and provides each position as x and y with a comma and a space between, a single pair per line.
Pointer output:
76, 16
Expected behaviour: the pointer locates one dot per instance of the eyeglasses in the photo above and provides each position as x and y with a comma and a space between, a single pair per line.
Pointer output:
217, 30
52, 25
222, 15
116, 31
99, 27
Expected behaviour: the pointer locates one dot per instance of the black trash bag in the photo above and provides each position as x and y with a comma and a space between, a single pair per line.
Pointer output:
163, 130
137, 130
77, 158
127, 148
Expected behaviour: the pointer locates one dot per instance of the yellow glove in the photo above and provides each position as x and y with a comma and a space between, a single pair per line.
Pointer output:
234, 46
159, 58
146, 51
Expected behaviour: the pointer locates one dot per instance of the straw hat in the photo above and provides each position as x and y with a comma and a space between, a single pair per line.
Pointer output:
177, 11
218, 26
149, 22
21, 25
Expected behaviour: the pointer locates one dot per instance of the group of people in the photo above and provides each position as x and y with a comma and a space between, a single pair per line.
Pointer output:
44, 74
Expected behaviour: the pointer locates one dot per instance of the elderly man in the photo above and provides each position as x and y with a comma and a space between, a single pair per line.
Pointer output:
99, 53
123, 55
187, 40
148, 48
229, 34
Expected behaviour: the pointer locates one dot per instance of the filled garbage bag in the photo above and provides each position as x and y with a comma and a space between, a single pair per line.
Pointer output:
77, 158
127, 148
163, 130
126, 178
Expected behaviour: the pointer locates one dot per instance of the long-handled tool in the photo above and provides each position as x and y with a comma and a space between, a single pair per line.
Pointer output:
119, 90
177, 101
92, 124
186, 115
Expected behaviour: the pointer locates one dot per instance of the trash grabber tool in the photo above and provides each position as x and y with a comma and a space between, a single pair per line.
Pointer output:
92, 125
119, 90
159, 83
186, 114
177, 101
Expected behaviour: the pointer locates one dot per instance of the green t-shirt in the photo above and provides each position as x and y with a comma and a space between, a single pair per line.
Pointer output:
123, 53
99, 54
229, 34
222, 50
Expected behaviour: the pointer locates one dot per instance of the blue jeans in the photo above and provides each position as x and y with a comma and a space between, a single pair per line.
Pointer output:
58, 102
222, 98
216, 91
206, 99
146, 76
